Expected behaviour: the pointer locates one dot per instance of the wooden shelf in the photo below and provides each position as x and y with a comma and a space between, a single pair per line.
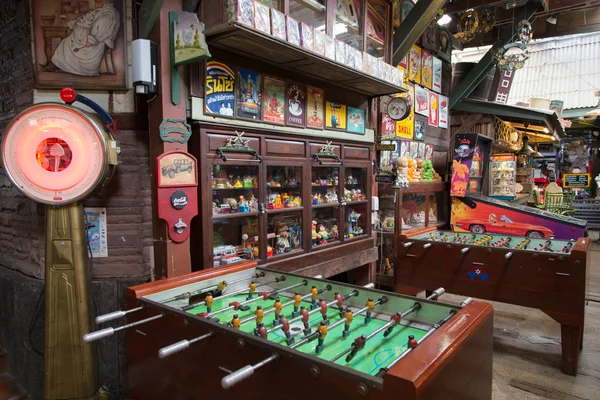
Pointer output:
235, 215
353, 203
250, 43
325, 205
284, 210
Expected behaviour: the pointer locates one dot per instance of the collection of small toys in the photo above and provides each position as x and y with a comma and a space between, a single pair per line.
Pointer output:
353, 229
247, 203
414, 170
284, 182
288, 234
222, 181
354, 195
330, 197
329, 180
283, 200
225, 255
350, 180
320, 234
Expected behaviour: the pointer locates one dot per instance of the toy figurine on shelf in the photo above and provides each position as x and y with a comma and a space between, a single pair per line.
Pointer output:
247, 181
315, 236
427, 171
349, 180
238, 183
283, 242
242, 205
323, 234
333, 233
233, 206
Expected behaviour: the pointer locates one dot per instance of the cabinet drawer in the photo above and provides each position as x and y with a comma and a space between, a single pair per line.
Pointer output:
284, 148
217, 140
356, 153
315, 147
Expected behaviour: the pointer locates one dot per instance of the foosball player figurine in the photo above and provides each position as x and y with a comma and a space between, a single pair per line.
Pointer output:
340, 303
209, 302
371, 305
396, 318
412, 343
219, 290
349, 316
323, 306
314, 293
305, 316
278, 306
259, 313
235, 321
252, 288
322, 334
358, 345
297, 300
285, 327
567, 247
262, 331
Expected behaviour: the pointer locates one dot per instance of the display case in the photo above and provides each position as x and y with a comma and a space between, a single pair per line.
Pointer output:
503, 176
406, 211
273, 200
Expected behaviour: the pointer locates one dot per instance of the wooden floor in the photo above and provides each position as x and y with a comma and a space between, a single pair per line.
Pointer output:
527, 355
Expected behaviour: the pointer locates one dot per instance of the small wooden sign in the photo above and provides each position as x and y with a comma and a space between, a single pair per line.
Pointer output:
386, 147
576, 181
384, 178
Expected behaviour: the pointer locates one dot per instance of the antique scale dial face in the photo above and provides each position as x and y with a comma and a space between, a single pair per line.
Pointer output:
54, 153
398, 108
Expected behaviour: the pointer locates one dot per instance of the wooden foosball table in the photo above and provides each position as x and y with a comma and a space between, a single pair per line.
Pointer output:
246, 332
539, 273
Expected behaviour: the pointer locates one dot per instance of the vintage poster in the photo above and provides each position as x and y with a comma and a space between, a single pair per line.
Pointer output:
406, 127
81, 44
437, 75
421, 101
307, 37
404, 62
433, 109
356, 120
245, 12
388, 127
414, 64
335, 115
421, 151
428, 151
419, 129
262, 18
414, 149
404, 148
248, 96
314, 108
443, 112
293, 31
219, 89
426, 69
296, 105
278, 24
95, 221
329, 47
274, 95
319, 46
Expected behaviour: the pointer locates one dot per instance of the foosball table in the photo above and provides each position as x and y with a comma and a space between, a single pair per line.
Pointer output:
539, 273
245, 332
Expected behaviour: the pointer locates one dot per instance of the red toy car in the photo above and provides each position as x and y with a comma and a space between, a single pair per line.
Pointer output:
504, 226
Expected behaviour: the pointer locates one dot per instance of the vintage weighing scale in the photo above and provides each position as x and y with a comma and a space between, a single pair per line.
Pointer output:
57, 154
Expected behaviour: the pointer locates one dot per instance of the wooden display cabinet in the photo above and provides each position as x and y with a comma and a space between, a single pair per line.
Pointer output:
262, 206
407, 211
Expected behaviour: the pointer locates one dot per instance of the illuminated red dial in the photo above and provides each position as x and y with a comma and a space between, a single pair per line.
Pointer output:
54, 153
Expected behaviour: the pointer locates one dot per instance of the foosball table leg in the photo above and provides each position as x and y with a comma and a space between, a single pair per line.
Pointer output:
571, 345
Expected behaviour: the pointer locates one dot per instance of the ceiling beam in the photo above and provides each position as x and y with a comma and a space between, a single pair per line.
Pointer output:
462, 5
148, 14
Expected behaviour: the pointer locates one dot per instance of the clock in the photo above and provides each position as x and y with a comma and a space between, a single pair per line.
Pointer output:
57, 154
398, 108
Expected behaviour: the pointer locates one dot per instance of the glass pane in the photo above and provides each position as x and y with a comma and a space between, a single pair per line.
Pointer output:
475, 186
387, 254
356, 221
354, 184
234, 240
284, 233
376, 33
235, 189
386, 215
413, 211
324, 184
437, 208
348, 23
325, 226
284, 187
311, 12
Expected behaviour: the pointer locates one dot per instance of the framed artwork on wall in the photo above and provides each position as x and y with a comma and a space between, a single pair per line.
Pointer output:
80, 44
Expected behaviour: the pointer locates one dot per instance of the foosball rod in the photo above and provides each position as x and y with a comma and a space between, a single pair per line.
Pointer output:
182, 345
270, 310
434, 328
212, 314
102, 333
417, 306
314, 335
190, 306
187, 295
244, 373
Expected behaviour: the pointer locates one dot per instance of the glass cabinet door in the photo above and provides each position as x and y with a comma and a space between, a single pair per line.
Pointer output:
285, 207
355, 200
413, 211
235, 211
325, 201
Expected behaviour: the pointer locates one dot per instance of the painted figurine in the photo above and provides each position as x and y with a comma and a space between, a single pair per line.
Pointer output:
297, 300
259, 313
349, 317
314, 293
252, 288
371, 305
305, 316
235, 322
322, 334
278, 306
209, 302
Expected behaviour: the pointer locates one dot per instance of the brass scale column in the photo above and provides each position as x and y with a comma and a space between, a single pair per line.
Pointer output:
57, 154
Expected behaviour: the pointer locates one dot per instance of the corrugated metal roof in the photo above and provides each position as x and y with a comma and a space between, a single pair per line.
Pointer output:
564, 68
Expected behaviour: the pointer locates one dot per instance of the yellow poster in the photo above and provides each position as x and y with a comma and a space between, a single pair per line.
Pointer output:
414, 64
335, 115
406, 127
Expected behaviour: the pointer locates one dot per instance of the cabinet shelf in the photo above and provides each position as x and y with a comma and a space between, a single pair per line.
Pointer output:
284, 210
235, 215
353, 203
325, 205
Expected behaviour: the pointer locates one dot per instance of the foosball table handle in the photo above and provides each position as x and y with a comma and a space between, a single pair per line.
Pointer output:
173, 348
115, 315
101, 334
244, 373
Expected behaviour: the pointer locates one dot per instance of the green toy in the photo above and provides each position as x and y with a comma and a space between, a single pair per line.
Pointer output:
427, 171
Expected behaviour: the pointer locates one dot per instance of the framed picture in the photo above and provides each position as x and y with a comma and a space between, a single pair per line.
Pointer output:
419, 129
248, 96
428, 151
388, 127
262, 18
293, 31
59, 29
314, 108
437, 75
245, 12
307, 37
433, 109
443, 117
414, 64
356, 120
335, 116
278, 29
219, 89
319, 45
444, 44
414, 149
295, 103
426, 69
274, 100
421, 101
404, 148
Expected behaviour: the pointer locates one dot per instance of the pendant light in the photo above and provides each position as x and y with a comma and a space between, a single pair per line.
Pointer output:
527, 150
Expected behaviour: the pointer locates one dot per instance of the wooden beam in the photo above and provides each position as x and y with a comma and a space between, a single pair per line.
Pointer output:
148, 14
462, 5
190, 5
170, 258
